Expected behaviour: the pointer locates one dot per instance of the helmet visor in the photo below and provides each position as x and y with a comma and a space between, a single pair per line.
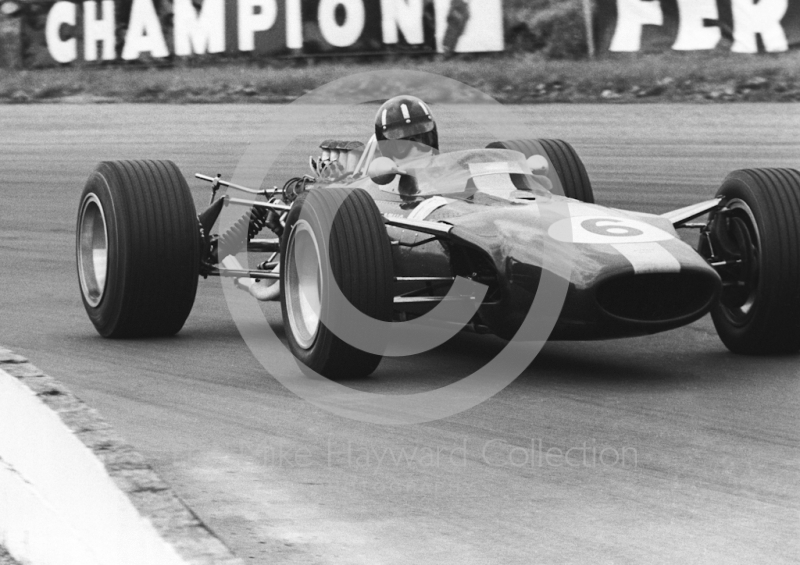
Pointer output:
402, 148
403, 130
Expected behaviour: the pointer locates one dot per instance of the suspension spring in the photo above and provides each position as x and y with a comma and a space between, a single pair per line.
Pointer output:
258, 219
250, 224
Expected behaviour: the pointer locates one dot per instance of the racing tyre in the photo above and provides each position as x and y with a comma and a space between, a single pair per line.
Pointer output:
137, 248
757, 233
566, 165
360, 263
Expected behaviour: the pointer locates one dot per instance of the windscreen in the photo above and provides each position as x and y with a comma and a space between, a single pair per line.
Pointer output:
498, 172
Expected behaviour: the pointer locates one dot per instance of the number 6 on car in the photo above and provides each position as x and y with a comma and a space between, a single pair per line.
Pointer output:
604, 229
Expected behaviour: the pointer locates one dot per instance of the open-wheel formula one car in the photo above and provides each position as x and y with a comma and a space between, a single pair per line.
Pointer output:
402, 236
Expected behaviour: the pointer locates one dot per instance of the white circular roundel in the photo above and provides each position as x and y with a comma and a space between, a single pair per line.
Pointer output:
606, 229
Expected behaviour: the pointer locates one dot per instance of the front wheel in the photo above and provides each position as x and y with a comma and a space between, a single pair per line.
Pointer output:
137, 248
754, 240
345, 225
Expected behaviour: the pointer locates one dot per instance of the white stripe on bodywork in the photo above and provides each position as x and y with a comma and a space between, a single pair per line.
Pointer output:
406, 115
425, 108
383, 117
427, 207
648, 257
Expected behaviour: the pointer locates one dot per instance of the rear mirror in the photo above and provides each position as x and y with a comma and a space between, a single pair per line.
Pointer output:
538, 165
382, 170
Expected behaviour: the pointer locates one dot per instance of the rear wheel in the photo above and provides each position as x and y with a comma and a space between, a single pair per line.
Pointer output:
360, 263
566, 165
137, 248
755, 240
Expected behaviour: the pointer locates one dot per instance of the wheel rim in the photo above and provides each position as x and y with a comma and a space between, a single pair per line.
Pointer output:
92, 250
303, 284
739, 299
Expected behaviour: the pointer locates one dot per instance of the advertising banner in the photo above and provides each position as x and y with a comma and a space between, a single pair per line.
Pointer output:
743, 26
111, 30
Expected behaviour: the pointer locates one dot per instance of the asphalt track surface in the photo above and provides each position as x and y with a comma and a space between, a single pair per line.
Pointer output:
701, 447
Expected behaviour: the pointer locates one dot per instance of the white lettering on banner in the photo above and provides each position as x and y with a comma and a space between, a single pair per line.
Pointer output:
102, 30
199, 33
405, 15
692, 34
62, 51
251, 21
632, 15
763, 18
144, 32
294, 24
349, 31
203, 30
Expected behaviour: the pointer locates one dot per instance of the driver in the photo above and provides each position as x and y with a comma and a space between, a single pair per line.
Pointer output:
405, 129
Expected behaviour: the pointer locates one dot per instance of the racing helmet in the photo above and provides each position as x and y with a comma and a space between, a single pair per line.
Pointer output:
409, 118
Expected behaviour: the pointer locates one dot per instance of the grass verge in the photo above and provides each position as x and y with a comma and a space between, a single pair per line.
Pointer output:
525, 78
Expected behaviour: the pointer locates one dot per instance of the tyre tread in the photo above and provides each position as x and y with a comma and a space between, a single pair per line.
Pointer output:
773, 194
156, 222
360, 258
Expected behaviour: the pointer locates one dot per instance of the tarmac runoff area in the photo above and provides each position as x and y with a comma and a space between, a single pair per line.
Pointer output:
280, 481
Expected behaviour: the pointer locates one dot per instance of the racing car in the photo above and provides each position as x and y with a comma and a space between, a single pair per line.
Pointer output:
396, 242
